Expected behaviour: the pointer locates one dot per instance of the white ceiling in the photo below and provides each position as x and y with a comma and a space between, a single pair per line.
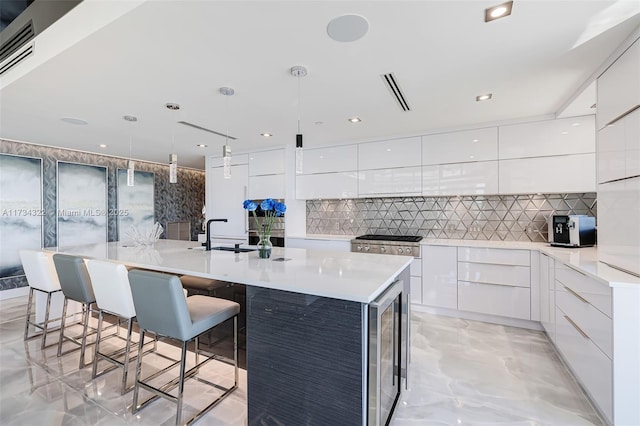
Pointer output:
99, 64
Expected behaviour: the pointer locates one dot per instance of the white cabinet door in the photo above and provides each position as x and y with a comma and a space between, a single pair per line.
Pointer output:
266, 162
619, 149
494, 255
439, 276
619, 87
457, 147
574, 135
509, 275
333, 159
391, 182
558, 174
618, 224
390, 153
431, 180
545, 313
327, 185
267, 186
468, 178
224, 201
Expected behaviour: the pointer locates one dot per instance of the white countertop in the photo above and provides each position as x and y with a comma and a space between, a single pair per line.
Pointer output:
583, 259
355, 277
324, 237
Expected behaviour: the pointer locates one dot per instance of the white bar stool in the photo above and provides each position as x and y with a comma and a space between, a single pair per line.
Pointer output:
111, 287
41, 275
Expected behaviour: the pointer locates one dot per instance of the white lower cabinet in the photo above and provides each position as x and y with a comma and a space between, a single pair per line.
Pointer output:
509, 275
439, 276
318, 244
501, 300
547, 296
416, 280
590, 365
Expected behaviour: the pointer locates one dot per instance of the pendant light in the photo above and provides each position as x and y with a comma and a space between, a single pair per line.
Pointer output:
298, 71
226, 149
173, 158
131, 165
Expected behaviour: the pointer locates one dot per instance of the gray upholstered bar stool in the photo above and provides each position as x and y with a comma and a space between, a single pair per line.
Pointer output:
76, 285
199, 285
111, 287
41, 275
162, 309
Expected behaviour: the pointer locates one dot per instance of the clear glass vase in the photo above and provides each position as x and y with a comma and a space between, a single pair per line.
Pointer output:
265, 246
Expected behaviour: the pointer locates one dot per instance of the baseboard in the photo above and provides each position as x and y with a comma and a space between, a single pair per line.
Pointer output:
14, 292
494, 319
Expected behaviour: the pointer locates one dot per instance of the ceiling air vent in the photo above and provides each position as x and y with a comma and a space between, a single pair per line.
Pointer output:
24, 54
17, 40
204, 129
392, 84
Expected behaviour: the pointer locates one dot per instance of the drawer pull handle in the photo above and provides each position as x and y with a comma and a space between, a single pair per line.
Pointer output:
582, 299
577, 328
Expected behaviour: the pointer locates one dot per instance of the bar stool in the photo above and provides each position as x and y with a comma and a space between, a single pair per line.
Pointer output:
76, 285
110, 282
41, 275
199, 285
162, 310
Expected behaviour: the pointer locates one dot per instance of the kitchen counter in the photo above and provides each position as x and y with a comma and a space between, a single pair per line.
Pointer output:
354, 277
583, 259
308, 338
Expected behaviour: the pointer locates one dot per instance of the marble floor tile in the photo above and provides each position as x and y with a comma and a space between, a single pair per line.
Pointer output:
462, 372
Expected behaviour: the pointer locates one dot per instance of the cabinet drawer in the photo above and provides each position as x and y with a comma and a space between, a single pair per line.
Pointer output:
594, 323
496, 256
513, 302
596, 293
519, 276
590, 365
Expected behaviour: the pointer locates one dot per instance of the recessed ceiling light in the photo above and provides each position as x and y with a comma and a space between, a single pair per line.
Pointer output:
72, 120
266, 135
485, 97
172, 106
347, 28
131, 118
476, 140
564, 133
499, 11
575, 124
319, 123
102, 145
201, 145
355, 119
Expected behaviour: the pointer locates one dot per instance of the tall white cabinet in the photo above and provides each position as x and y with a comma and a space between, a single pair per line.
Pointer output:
225, 196
618, 168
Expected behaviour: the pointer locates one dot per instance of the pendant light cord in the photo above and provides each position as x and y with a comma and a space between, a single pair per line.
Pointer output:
298, 104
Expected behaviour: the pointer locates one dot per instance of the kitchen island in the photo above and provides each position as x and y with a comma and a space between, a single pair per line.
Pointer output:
307, 322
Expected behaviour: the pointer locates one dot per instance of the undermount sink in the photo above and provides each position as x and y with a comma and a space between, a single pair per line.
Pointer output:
233, 249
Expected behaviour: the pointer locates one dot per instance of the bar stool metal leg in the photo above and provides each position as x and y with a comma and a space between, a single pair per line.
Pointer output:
29, 303
62, 322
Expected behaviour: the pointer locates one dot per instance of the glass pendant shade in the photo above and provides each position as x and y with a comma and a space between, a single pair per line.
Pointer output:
226, 161
131, 166
298, 154
173, 168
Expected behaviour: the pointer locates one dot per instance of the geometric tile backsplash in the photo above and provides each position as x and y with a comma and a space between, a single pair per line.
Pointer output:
475, 217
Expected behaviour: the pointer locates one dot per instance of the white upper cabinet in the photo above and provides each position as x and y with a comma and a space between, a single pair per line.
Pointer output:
390, 182
460, 178
267, 186
458, 147
224, 201
266, 162
333, 159
405, 152
327, 185
560, 173
619, 149
235, 160
619, 87
574, 135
